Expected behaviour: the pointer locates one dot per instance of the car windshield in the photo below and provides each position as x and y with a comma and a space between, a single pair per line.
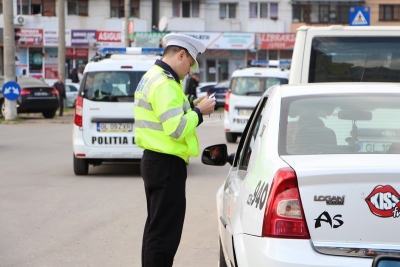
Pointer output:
355, 59
254, 85
111, 86
348, 124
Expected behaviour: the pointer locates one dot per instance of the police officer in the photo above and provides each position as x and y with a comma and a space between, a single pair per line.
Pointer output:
165, 126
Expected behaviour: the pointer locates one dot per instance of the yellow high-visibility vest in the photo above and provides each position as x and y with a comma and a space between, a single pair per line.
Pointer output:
164, 121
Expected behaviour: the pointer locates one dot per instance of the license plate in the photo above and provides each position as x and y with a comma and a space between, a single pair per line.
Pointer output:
40, 94
244, 112
373, 147
114, 127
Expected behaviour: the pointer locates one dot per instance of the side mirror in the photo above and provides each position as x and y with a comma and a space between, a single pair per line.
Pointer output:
216, 155
386, 261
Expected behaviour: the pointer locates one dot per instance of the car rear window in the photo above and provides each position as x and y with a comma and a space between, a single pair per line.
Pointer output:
111, 86
355, 59
348, 124
253, 86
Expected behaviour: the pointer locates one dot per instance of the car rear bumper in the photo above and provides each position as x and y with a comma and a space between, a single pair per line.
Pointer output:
81, 150
36, 104
253, 251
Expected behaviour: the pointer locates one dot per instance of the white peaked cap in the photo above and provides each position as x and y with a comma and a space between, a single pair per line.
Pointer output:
194, 46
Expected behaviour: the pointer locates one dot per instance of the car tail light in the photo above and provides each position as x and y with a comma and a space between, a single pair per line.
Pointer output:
227, 97
78, 111
25, 92
284, 215
54, 92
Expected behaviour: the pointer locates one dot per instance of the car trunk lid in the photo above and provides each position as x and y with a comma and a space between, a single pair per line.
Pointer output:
350, 199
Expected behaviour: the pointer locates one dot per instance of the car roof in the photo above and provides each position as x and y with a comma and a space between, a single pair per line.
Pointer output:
289, 90
31, 82
222, 84
261, 72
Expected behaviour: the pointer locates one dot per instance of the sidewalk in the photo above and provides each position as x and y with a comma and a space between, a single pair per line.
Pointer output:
68, 117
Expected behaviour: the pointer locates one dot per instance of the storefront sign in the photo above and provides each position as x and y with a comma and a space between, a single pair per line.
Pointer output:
233, 41
51, 63
35, 62
21, 62
148, 39
69, 52
50, 37
30, 36
109, 38
83, 37
81, 52
275, 41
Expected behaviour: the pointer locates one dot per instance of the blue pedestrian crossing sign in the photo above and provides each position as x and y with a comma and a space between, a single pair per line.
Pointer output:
11, 90
359, 16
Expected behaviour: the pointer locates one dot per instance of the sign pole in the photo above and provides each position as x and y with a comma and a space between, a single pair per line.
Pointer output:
10, 109
61, 40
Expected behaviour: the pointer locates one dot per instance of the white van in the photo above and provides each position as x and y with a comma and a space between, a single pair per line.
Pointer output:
103, 129
346, 54
245, 89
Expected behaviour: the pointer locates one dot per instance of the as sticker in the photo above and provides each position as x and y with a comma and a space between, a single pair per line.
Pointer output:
384, 201
141, 84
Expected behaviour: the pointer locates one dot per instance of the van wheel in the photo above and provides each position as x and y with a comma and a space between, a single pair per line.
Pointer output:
81, 166
221, 261
49, 114
231, 137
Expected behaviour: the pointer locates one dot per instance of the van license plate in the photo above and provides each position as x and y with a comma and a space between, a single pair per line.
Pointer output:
244, 112
114, 127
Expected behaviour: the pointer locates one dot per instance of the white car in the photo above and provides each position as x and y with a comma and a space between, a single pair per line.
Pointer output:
201, 89
315, 178
71, 90
246, 87
103, 129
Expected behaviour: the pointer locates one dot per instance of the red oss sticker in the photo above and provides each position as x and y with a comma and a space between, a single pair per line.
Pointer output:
384, 201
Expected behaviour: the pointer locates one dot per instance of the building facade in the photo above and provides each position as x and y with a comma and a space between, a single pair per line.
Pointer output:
235, 33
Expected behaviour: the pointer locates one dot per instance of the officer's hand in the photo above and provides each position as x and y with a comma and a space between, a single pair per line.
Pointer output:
206, 106
198, 100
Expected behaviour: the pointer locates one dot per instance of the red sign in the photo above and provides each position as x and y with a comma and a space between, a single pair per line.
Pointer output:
69, 52
108, 36
384, 201
81, 52
30, 36
51, 71
275, 41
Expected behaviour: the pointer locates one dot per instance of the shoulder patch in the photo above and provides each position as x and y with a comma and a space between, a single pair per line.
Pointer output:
168, 74
141, 84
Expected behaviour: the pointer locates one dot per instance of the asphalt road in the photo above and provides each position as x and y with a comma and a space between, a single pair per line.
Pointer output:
50, 217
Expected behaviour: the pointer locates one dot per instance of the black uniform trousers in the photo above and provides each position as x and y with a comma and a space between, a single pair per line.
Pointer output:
164, 182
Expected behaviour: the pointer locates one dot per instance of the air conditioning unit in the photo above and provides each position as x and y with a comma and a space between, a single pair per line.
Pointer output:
19, 21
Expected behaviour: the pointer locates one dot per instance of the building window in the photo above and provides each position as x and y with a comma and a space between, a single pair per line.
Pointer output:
227, 10
274, 11
117, 8
36, 7
188, 9
78, 7
263, 10
321, 13
389, 12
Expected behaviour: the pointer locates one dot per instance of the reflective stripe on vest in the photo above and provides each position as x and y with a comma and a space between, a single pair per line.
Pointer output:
170, 113
158, 126
143, 102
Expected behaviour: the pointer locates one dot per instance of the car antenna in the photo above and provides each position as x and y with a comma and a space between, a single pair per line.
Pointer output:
365, 64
